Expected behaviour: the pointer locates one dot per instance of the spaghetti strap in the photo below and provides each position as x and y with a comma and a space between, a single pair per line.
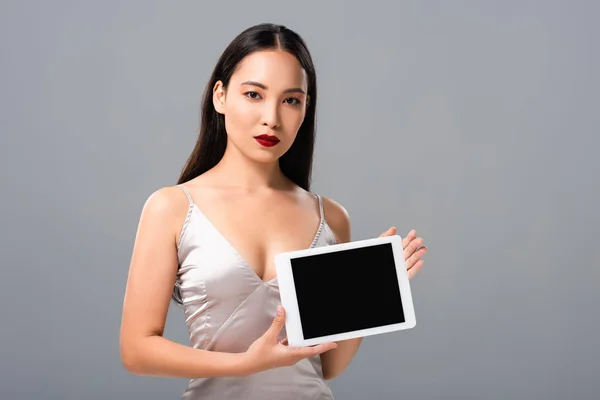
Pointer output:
320, 207
187, 194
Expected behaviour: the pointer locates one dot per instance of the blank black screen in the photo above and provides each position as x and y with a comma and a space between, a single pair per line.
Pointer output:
347, 290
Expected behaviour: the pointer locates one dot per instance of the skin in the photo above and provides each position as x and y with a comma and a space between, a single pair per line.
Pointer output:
247, 178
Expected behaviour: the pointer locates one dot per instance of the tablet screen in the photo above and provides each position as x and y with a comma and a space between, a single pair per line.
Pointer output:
347, 290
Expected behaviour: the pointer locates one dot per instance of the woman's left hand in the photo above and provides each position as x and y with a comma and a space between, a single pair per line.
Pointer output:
413, 250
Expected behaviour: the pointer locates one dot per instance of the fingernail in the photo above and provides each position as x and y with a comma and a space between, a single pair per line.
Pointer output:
279, 310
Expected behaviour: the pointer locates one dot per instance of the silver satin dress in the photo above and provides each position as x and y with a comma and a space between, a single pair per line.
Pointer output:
227, 306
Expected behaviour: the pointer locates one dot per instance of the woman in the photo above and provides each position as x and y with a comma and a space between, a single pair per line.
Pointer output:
209, 242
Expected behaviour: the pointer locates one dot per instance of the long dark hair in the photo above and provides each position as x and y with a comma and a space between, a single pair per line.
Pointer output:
296, 163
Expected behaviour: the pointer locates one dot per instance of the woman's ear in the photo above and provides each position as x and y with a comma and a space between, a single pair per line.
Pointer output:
219, 97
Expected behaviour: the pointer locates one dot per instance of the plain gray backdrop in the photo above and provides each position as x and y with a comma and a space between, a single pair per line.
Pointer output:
475, 122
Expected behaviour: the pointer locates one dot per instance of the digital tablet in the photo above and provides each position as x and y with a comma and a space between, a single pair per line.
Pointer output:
345, 291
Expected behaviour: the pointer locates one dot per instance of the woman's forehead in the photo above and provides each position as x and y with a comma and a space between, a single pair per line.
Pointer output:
277, 70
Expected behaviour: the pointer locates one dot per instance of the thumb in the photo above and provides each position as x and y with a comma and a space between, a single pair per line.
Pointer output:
278, 322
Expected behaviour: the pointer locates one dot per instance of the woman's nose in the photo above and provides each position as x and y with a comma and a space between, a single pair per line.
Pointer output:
271, 116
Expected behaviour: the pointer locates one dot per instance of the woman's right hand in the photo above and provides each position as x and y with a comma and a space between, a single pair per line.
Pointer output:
268, 352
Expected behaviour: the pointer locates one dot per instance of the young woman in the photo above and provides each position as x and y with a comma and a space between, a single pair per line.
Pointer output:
208, 243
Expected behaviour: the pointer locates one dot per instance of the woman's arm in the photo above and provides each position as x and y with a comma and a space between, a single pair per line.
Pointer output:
335, 361
150, 283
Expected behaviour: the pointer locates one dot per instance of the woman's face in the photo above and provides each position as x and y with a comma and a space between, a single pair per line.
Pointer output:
266, 96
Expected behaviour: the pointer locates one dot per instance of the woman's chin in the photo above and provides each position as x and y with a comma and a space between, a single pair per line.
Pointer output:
265, 157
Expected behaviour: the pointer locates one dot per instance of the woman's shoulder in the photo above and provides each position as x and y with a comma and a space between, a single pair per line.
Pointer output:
165, 208
337, 218
167, 203
166, 199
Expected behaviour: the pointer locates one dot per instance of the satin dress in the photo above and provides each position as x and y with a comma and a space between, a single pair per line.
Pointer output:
227, 306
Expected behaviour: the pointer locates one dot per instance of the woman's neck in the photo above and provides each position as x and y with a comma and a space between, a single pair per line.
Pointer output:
235, 169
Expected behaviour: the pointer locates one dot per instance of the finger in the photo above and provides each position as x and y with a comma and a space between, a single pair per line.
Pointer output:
415, 269
415, 257
409, 237
412, 247
390, 232
311, 351
278, 323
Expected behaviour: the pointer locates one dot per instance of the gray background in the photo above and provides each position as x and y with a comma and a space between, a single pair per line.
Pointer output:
474, 122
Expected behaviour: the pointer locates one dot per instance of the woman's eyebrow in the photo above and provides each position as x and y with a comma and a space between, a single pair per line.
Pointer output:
264, 87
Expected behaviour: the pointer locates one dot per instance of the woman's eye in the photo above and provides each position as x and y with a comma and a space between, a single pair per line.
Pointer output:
294, 101
252, 95
255, 96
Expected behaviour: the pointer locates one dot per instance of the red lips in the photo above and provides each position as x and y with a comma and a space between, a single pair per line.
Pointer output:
267, 140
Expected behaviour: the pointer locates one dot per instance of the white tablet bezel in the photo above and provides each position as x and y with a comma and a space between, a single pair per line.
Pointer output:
289, 300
